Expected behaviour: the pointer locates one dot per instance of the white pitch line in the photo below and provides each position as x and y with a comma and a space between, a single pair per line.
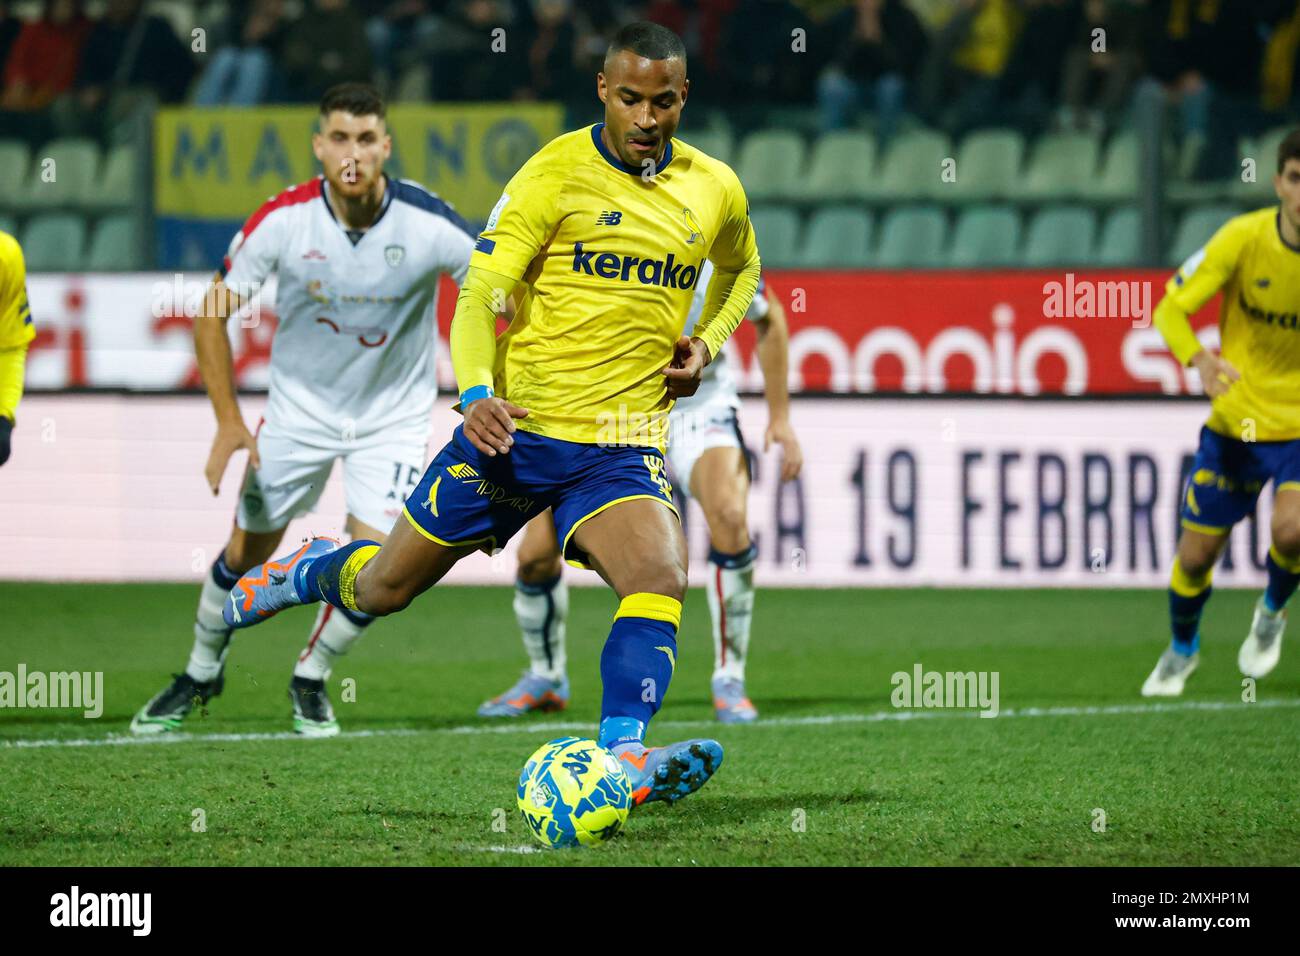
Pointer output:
529, 727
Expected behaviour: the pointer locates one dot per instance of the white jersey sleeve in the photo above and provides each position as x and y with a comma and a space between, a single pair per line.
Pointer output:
255, 251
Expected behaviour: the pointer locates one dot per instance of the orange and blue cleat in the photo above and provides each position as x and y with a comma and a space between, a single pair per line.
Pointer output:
270, 588
672, 771
531, 693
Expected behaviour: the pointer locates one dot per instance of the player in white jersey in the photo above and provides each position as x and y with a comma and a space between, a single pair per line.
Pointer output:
358, 258
708, 460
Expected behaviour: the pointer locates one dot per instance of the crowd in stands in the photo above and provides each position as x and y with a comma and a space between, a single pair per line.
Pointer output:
1227, 67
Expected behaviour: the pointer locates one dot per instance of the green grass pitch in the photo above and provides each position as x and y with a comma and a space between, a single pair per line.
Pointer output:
836, 775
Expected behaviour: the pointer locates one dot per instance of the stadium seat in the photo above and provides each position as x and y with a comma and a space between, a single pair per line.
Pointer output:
1060, 166
1121, 238
777, 231
913, 237
712, 141
113, 247
911, 167
1061, 236
986, 236
54, 242
841, 166
988, 167
837, 238
771, 164
15, 159
1120, 170
1264, 151
1198, 224
73, 165
116, 187
9, 224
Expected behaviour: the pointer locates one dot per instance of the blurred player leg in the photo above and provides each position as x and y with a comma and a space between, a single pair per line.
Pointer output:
1262, 648
638, 547
289, 483
720, 483
1189, 590
541, 607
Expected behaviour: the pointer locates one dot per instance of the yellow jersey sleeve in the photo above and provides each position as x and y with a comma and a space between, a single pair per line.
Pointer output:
522, 221
16, 327
736, 270
1197, 281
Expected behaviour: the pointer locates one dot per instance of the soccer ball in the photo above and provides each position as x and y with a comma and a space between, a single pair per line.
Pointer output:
574, 792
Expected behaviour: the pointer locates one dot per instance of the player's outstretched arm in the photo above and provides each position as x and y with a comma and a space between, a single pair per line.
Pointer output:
13, 362
774, 360
489, 420
212, 350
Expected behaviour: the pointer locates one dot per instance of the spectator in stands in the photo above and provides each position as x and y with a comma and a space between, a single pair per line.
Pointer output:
551, 67
876, 47
43, 61
1209, 58
477, 63
129, 48
762, 67
961, 81
1030, 86
399, 32
326, 46
10, 27
1097, 83
240, 71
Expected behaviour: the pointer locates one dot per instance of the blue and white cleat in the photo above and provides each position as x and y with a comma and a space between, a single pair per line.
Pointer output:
270, 588
730, 705
532, 692
671, 772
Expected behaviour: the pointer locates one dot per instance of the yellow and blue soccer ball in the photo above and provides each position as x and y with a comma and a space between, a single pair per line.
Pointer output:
574, 792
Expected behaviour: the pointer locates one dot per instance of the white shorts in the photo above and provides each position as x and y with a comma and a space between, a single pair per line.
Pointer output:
378, 474
696, 428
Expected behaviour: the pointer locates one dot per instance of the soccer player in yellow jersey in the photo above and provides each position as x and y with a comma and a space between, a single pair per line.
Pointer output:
1253, 433
603, 231
16, 331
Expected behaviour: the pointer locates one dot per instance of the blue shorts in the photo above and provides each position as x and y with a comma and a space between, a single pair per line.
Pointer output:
1228, 475
467, 498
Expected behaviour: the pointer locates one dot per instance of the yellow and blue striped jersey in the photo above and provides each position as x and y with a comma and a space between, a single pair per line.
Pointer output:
1259, 275
608, 257
16, 327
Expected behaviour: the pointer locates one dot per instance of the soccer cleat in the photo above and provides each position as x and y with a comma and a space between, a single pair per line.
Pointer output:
671, 772
312, 714
1263, 645
165, 711
730, 705
270, 588
1171, 673
532, 692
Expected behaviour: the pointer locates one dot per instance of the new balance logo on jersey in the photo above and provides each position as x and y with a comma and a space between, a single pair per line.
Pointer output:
609, 218
609, 265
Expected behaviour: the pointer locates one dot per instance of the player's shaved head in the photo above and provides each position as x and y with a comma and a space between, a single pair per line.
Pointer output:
649, 41
643, 86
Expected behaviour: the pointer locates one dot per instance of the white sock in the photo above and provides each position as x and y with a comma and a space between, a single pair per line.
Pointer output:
211, 636
331, 637
731, 605
542, 610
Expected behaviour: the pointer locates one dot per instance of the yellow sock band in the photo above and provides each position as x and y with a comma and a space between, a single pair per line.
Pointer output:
348, 575
656, 607
1290, 565
1184, 585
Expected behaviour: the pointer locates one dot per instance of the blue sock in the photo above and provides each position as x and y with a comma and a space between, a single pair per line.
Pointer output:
330, 577
222, 576
1185, 620
1281, 582
637, 666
